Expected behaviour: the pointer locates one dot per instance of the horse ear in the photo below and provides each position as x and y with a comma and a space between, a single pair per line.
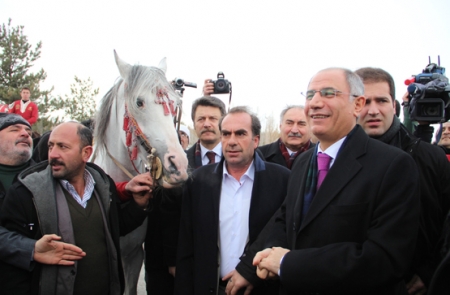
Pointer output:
123, 67
163, 65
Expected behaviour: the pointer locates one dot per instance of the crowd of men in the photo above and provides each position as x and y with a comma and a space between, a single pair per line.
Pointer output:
346, 201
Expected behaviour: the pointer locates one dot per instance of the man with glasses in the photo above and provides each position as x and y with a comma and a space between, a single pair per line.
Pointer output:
378, 120
351, 214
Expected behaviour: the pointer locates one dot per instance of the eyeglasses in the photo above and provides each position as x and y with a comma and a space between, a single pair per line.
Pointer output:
325, 92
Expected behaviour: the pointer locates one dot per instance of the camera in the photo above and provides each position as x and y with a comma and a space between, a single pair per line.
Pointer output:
178, 84
221, 85
429, 95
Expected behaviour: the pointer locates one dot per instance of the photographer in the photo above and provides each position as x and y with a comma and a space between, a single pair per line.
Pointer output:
379, 122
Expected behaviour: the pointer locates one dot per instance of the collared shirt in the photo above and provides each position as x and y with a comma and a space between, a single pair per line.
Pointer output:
88, 189
234, 212
332, 150
217, 150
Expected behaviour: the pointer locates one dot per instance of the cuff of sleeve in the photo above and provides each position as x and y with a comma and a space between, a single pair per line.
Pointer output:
281, 261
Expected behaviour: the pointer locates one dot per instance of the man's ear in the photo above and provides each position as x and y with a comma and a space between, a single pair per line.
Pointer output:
86, 153
359, 103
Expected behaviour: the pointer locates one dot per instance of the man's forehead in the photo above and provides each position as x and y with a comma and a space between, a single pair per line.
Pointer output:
21, 126
295, 114
207, 111
329, 78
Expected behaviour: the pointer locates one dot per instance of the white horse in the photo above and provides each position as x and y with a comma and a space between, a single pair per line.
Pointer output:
136, 116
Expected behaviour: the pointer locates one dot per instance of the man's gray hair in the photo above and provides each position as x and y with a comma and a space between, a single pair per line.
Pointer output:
354, 82
289, 107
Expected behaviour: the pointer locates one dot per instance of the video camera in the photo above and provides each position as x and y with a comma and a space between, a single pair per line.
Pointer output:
221, 85
178, 84
429, 94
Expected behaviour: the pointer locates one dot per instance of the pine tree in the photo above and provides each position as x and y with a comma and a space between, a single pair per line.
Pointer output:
79, 105
16, 59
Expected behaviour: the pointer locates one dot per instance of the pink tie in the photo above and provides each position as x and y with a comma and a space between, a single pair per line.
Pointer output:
323, 165
211, 157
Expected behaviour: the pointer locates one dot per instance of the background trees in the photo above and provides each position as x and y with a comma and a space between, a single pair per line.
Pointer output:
17, 57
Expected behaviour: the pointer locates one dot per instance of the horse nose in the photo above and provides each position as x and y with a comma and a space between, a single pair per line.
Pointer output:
172, 167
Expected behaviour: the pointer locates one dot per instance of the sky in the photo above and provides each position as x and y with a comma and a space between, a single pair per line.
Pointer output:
268, 50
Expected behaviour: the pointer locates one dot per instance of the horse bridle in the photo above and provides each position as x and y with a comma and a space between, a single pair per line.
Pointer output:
130, 126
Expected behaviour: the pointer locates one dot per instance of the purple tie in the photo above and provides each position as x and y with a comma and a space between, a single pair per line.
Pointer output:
211, 157
323, 165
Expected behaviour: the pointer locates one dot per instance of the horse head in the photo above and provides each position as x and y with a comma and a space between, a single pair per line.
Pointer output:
147, 102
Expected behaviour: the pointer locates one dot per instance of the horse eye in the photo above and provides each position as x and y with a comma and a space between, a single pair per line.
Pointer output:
140, 103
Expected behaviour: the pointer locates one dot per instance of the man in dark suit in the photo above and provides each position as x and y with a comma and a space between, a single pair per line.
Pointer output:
379, 121
356, 234
225, 206
206, 113
295, 138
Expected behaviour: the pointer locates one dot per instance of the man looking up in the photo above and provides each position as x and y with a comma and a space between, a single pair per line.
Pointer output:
379, 121
351, 214
294, 138
77, 199
225, 206
25, 107
206, 113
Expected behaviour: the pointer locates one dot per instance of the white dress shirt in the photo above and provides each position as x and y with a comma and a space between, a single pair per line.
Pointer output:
234, 211
217, 150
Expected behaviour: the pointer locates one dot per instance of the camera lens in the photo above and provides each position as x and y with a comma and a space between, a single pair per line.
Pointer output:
179, 82
431, 111
220, 84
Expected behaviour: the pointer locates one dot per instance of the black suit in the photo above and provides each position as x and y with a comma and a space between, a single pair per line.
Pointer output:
198, 250
272, 153
193, 161
359, 234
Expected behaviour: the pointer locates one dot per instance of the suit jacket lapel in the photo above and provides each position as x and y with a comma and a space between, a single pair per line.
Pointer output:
214, 190
298, 186
344, 169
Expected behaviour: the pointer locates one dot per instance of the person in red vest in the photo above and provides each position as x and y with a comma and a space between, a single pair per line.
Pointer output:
24, 107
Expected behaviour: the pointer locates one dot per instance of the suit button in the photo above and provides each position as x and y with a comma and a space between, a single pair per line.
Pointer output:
211, 290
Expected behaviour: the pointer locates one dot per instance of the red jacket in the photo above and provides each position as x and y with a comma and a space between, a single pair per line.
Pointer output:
30, 114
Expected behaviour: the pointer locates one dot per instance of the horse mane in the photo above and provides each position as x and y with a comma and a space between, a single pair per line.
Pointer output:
104, 113
141, 79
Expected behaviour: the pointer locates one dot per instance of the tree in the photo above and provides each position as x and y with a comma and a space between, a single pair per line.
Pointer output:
79, 105
16, 60
270, 132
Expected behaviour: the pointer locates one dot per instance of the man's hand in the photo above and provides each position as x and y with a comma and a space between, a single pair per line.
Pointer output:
48, 250
140, 187
268, 262
416, 286
208, 87
237, 282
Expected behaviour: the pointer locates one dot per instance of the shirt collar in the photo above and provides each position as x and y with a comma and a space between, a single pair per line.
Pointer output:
250, 173
217, 149
88, 181
333, 149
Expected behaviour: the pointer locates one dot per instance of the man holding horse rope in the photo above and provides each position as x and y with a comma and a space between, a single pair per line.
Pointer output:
88, 209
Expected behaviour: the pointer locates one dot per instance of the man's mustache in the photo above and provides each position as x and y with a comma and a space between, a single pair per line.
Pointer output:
208, 130
56, 162
295, 135
23, 140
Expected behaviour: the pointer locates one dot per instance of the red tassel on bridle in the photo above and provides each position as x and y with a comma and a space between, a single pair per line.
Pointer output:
134, 153
126, 122
129, 136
